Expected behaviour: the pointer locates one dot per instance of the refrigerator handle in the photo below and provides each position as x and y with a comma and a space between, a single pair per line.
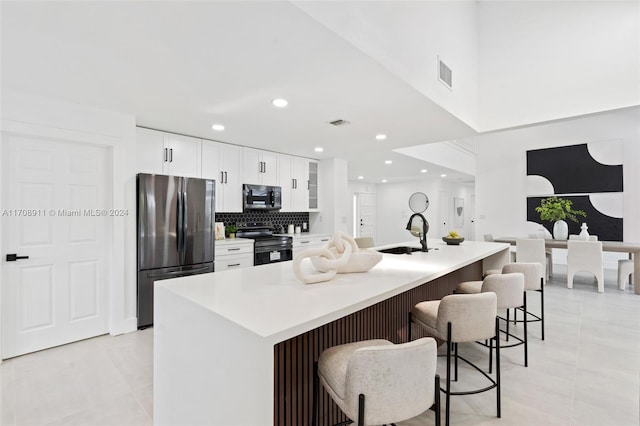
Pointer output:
179, 219
185, 219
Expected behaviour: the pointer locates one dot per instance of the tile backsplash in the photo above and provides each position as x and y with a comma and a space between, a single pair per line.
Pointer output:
277, 221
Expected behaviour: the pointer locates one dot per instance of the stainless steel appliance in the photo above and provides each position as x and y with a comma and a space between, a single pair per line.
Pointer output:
261, 197
267, 248
175, 232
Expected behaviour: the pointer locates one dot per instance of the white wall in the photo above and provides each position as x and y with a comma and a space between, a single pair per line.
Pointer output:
53, 117
544, 60
501, 178
408, 37
333, 198
393, 210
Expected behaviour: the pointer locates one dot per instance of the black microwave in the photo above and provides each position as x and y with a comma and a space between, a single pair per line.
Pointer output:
261, 197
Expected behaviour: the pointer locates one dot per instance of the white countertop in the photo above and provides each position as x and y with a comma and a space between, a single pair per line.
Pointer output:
214, 334
229, 241
305, 235
269, 301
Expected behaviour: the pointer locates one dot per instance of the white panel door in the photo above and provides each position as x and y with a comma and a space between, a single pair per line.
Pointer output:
445, 210
366, 215
54, 197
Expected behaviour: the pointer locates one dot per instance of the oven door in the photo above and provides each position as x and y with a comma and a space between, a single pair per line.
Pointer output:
264, 255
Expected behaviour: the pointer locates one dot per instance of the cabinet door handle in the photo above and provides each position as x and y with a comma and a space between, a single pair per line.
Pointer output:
166, 155
171, 155
305, 242
221, 177
308, 185
265, 167
293, 183
234, 249
225, 178
233, 264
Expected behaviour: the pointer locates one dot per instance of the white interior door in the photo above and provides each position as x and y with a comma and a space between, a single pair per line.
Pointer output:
54, 196
365, 215
445, 209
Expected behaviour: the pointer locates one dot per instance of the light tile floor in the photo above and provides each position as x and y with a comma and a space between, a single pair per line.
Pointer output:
586, 372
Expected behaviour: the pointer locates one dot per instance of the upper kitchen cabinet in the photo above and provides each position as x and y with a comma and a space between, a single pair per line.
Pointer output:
293, 174
313, 185
223, 162
259, 167
167, 153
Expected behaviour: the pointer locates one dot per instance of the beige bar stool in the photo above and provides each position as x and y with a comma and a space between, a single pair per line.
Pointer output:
460, 318
509, 288
375, 382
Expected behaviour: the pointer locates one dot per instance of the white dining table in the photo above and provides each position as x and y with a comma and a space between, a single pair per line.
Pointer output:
612, 246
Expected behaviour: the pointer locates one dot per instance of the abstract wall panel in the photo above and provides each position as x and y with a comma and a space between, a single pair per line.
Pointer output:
590, 175
572, 170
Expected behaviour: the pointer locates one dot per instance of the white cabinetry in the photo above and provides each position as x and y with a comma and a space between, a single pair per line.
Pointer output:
293, 174
233, 254
301, 242
167, 153
223, 162
259, 167
312, 186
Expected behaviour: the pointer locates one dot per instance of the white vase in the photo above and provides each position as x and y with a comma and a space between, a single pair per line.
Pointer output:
560, 230
584, 234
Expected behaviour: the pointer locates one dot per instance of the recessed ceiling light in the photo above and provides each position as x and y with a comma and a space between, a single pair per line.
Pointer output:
319, 149
388, 162
381, 137
443, 175
218, 127
423, 171
360, 177
384, 181
280, 103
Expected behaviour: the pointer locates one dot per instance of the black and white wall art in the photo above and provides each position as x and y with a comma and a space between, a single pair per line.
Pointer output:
590, 175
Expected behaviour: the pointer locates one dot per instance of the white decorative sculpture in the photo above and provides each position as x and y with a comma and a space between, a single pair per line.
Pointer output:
584, 234
340, 255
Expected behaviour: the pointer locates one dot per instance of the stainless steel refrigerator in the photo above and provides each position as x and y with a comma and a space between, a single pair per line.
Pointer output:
176, 224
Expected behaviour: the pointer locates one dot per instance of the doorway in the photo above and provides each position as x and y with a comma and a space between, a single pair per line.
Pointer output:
56, 220
364, 215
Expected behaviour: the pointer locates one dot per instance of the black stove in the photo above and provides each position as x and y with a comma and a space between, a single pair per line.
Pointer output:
267, 248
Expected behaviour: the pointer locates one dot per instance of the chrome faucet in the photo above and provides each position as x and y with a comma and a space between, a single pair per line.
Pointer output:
423, 234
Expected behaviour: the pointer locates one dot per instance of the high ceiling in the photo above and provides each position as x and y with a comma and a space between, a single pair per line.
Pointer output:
182, 66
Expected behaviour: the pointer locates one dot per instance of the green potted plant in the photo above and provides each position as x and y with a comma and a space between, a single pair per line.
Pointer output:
231, 230
556, 210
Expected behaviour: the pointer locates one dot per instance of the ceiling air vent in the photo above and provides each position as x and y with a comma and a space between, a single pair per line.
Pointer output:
445, 75
339, 122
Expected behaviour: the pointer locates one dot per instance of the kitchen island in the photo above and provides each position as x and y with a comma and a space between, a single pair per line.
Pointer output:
237, 347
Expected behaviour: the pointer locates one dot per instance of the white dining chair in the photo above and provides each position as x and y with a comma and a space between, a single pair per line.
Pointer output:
577, 237
625, 269
585, 256
512, 249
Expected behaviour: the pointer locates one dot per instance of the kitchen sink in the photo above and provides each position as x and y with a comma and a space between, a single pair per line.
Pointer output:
400, 250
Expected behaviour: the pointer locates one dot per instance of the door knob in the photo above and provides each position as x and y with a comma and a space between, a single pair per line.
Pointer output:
13, 257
